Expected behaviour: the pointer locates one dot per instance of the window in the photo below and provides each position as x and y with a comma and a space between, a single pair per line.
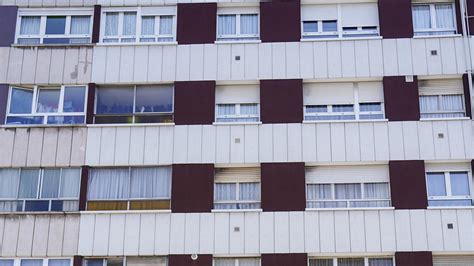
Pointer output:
237, 103
453, 260
48, 189
343, 101
47, 105
134, 104
449, 188
56, 27
382, 261
441, 98
237, 188
339, 21
434, 19
236, 261
36, 262
144, 188
237, 24
147, 24
128, 261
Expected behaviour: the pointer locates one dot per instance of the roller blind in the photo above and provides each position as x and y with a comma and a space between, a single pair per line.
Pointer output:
370, 92
430, 167
328, 93
453, 260
440, 86
250, 174
153, 10
365, 14
347, 174
319, 12
238, 94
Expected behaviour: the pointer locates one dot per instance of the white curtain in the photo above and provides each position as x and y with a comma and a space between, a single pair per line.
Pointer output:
318, 191
376, 191
225, 191
421, 17
50, 186
380, 262
80, 24
249, 109
111, 24
70, 182
436, 184
150, 182
28, 183
249, 191
31, 262
444, 16
224, 262
148, 25
348, 191
30, 25
70, 205
9, 183
459, 184
4, 262
226, 109
429, 103
249, 24
226, 25
166, 25
350, 262
249, 262
109, 184
59, 262
129, 23
452, 102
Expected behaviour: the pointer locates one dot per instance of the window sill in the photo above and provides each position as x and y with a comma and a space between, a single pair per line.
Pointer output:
127, 211
437, 36
350, 209
138, 43
16, 45
450, 207
131, 125
235, 123
234, 210
238, 42
40, 213
445, 119
341, 39
12, 126
343, 121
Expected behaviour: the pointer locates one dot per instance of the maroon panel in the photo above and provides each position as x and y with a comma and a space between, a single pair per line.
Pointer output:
184, 260
421, 258
467, 95
458, 17
8, 16
408, 184
194, 102
294, 259
90, 103
283, 186
192, 188
83, 190
3, 102
401, 99
281, 101
470, 12
280, 21
96, 24
77, 261
395, 19
196, 23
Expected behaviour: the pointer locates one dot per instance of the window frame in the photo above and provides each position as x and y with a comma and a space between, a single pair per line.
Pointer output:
366, 258
17, 261
238, 12
46, 115
55, 12
443, 112
237, 114
158, 12
237, 201
434, 27
124, 259
448, 187
236, 259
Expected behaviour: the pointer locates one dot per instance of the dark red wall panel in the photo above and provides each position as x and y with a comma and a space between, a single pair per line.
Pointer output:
408, 184
458, 16
395, 19
280, 21
3, 102
194, 102
401, 98
96, 24
470, 12
281, 101
422, 258
283, 186
8, 16
77, 261
467, 95
83, 189
90, 103
185, 260
196, 23
294, 259
192, 188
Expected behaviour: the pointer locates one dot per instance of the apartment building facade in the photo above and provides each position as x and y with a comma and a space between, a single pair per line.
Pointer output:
236, 133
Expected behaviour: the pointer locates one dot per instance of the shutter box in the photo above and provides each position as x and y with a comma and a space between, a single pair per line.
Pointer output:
347, 174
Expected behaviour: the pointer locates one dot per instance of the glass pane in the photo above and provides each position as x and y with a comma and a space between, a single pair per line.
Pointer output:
113, 120
321, 262
429, 103
111, 23
316, 109
318, 191
224, 262
80, 24
380, 262
249, 109
21, 100
249, 24
226, 24
70, 182
28, 183
9, 183
37, 205
436, 184
48, 100
31, 262
30, 25
150, 182
421, 17
25, 120
350, 262
166, 25
6, 262
370, 107
460, 184
310, 26
109, 183
68, 120
376, 191
148, 25
115, 100
154, 99
452, 102
226, 109
343, 108
249, 191
225, 191
249, 262
348, 191
129, 23
61, 262
97, 262
50, 186
115, 262
330, 25
444, 16
74, 99
55, 25
144, 261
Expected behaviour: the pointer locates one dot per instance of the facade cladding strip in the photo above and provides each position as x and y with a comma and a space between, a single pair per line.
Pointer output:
217, 172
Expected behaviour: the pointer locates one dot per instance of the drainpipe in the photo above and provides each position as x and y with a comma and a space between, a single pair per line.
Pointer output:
467, 49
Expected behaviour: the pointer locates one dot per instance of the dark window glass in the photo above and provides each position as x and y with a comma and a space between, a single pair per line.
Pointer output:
113, 119
37, 205
21, 100
74, 98
310, 26
330, 25
55, 25
57, 206
25, 120
115, 100
152, 99
154, 119
65, 120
